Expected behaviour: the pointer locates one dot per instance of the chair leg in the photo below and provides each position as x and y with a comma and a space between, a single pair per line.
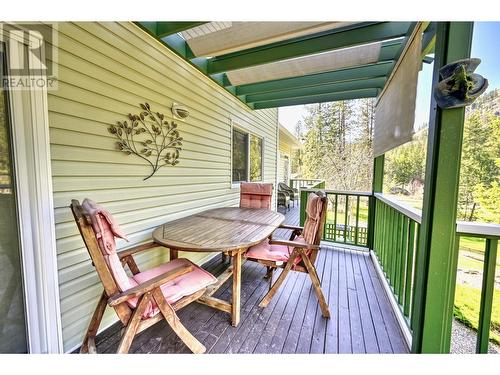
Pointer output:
173, 321
269, 276
133, 324
267, 298
316, 285
88, 345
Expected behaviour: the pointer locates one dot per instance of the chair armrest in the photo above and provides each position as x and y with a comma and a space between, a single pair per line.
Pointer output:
149, 285
294, 244
291, 227
137, 249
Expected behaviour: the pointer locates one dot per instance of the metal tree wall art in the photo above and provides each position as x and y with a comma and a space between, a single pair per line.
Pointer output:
149, 136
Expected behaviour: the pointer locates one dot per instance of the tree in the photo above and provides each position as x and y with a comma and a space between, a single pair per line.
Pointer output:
406, 163
337, 144
479, 166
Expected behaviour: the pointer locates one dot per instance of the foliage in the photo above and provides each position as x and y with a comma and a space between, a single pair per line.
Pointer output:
255, 158
480, 167
338, 144
150, 137
405, 165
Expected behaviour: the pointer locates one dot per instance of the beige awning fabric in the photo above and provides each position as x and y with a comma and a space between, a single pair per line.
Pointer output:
395, 108
300, 66
219, 38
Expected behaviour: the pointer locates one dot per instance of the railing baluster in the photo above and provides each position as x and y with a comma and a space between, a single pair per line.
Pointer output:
417, 246
489, 268
409, 268
385, 237
345, 217
335, 219
357, 221
402, 265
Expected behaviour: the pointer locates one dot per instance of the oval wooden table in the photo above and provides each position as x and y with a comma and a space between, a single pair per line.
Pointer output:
230, 230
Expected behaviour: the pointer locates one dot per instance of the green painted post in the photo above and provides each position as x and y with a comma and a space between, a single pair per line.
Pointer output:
483, 330
436, 257
377, 182
303, 203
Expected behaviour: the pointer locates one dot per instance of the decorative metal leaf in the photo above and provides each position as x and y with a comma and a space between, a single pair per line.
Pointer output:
157, 136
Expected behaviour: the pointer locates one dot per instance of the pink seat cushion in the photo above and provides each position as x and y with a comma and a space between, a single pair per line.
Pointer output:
177, 288
271, 252
256, 195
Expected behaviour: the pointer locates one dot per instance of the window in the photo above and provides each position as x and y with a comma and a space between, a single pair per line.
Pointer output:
255, 158
247, 157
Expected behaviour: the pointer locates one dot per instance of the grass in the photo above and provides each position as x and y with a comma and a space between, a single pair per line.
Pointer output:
466, 309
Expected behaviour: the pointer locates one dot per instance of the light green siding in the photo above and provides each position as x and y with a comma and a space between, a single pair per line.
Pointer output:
284, 149
105, 70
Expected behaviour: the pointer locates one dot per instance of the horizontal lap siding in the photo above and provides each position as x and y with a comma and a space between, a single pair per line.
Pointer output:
284, 149
105, 70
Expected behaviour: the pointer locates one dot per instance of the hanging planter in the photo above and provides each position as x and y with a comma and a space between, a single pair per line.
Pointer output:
150, 137
459, 86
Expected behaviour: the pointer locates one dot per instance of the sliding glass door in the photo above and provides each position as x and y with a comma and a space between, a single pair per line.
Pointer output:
12, 312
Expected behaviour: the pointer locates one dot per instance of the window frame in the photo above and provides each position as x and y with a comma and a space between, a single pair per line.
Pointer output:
249, 134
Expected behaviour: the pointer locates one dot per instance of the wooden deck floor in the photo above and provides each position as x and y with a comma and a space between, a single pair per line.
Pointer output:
361, 317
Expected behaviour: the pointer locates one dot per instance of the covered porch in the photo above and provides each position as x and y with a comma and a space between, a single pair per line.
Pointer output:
387, 271
362, 319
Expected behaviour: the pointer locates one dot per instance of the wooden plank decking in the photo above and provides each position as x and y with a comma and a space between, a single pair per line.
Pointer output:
362, 320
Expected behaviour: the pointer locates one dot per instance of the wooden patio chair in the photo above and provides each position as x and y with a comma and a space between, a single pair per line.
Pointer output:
144, 298
256, 195
297, 254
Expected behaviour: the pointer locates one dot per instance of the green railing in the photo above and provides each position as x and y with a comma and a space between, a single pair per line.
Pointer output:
347, 216
396, 235
304, 183
395, 245
491, 234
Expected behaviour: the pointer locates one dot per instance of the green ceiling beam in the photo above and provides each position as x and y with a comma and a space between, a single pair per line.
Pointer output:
162, 29
167, 28
179, 45
346, 95
310, 44
429, 39
362, 72
336, 87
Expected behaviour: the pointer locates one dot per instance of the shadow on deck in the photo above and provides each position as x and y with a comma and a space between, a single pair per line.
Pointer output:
362, 320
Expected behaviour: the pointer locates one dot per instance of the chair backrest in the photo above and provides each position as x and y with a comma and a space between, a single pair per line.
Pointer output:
256, 195
98, 230
284, 187
316, 209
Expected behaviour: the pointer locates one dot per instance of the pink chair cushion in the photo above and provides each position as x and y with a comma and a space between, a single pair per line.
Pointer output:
175, 289
106, 229
271, 252
314, 210
256, 195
